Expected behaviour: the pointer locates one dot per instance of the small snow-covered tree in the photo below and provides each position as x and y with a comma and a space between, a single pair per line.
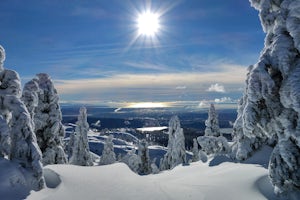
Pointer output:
212, 142
202, 156
132, 160
214, 145
271, 102
71, 144
176, 147
47, 118
161, 164
143, 153
119, 157
212, 123
195, 151
108, 155
23, 145
154, 168
81, 151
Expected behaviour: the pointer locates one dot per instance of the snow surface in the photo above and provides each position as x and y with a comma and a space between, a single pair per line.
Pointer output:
199, 181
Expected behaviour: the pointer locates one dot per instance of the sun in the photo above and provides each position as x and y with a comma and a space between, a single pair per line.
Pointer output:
148, 23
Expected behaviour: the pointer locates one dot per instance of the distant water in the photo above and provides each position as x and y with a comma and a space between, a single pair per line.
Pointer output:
108, 117
151, 129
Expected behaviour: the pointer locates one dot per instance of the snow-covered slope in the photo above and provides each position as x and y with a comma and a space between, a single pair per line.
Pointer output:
226, 180
198, 181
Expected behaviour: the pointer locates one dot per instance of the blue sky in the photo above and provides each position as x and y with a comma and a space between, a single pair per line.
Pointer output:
92, 52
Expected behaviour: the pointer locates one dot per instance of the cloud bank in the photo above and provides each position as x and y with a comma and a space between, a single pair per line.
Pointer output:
151, 87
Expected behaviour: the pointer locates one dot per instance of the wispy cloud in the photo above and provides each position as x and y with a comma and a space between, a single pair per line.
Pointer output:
147, 66
150, 86
216, 88
143, 80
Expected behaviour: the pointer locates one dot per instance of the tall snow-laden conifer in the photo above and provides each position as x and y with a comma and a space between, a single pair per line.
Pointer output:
81, 151
4, 138
47, 118
176, 147
71, 144
108, 155
143, 152
212, 123
2, 58
271, 103
30, 96
244, 145
195, 151
23, 146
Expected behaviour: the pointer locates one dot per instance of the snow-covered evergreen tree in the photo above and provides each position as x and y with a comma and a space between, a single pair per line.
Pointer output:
47, 118
132, 160
202, 156
143, 153
271, 102
214, 145
81, 151
244, 145
4, 138
212, 123
212, 142
119, 157
23, 145
108, 155
161, 165
195, 151
2, 58
154, 168
71, 144
30, 96
176, 147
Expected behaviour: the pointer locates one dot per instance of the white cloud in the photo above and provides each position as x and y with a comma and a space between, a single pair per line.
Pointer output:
224, 100
203, 104
216, 88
